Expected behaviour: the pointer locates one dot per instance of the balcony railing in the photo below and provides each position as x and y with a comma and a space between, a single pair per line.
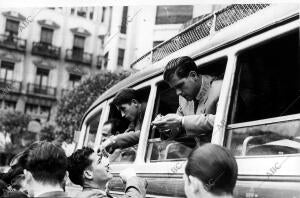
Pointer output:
78, 57
45, 49
7, 86
40, 89
12, 42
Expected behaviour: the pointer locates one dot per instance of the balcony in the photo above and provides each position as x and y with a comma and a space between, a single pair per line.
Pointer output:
7, 86
79, 57
45, 49
41, 90
12, 42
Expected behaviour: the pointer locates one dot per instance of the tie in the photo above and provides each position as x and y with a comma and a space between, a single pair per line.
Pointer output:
196, 103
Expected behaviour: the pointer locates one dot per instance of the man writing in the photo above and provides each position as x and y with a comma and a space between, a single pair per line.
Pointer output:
198, 98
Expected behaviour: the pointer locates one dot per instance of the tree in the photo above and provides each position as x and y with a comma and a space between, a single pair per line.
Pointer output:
14, 123
48, 133
72, 106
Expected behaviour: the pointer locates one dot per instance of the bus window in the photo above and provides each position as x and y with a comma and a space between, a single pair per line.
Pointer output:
264, 115
160, 147
119, 126
92, 126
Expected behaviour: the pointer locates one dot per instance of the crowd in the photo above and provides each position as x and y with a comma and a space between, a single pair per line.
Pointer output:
211, 170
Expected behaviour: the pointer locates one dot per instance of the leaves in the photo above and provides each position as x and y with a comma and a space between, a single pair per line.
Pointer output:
72, 106
14, 121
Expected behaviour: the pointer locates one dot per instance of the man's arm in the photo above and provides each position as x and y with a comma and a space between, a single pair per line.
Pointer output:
135, 188
198, 124
123, 140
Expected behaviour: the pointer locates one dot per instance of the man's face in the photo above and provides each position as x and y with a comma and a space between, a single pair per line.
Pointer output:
106, 131
129, 111
186, 87
100, 168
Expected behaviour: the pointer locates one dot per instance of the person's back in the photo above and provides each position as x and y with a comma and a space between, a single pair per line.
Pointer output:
45, 166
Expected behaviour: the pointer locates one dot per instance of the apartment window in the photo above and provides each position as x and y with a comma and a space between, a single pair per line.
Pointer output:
31, 108
124, 20
42, 77
82, 12
105, 60
6, 70
155, 43
12, 26
121, 53
10, 105
74, 80
72, 11
103, 14
173, 14
91, 15
78, 46
46, 35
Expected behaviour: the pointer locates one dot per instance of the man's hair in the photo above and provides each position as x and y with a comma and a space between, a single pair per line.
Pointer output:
125, 96
215, 166
46, 161
77, 163
180, 66
116, 126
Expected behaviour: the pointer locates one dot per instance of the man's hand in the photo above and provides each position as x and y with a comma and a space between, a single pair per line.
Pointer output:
169, 121
127, 174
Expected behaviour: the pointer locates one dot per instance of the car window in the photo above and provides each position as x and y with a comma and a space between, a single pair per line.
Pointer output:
264, 113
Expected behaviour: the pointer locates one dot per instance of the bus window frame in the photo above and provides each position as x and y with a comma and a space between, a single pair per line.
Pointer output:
266, 161
84, 130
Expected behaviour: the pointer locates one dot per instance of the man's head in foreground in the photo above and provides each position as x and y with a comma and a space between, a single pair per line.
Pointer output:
87, 169
45, 166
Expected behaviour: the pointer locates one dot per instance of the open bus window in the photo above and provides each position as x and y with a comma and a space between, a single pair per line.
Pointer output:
119, 126
92, 126
267, 86
160, 146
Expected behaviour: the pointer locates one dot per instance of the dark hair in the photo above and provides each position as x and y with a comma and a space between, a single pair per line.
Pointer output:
46, 161
215, 166
125, 96
14, 172
180, 66
77, 163
116, 126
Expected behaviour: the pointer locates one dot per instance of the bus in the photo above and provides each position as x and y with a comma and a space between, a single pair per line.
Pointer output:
254, 48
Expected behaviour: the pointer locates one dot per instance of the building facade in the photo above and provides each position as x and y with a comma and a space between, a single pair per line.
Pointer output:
46, 52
